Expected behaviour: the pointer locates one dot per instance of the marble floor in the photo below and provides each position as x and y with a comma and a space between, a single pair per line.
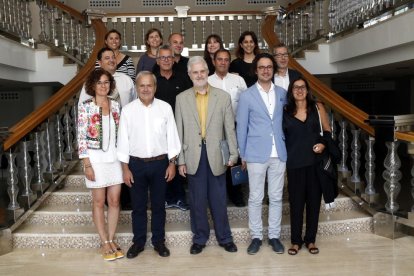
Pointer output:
353, 254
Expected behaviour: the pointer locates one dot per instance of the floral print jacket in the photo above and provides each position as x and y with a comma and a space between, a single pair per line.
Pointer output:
90, 125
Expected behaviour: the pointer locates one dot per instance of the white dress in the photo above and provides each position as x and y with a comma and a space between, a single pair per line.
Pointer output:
105, 163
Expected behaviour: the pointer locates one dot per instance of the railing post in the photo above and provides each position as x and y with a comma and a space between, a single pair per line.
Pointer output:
39, 185
355, 163
392, 176
27, 197
343, 146
370, 195
14, 209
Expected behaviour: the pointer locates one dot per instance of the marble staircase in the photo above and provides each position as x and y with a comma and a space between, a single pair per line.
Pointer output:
64, 220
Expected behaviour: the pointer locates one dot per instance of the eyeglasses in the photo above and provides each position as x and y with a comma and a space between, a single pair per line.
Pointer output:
285, 55
262, 68
297, 87
165, 58
103, 83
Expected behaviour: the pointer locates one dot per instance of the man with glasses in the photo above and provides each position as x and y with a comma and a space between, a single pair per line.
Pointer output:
283, 75
263, 151
176, 41
170, 84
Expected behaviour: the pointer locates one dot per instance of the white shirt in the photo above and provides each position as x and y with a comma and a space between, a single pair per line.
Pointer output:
147, 131
123, 84
232, 84
269, 99
282, 81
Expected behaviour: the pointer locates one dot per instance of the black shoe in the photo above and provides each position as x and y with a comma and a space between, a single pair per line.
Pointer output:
134, 250
277, 246
229, 247
196, 248
162, 250
254, 246
239, 203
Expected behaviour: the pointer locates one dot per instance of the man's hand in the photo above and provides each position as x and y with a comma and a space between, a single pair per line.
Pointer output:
127, 175
170, 172
230, 164
182, 170
244, 165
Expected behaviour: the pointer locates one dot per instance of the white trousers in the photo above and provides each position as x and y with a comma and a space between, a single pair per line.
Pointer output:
275, 170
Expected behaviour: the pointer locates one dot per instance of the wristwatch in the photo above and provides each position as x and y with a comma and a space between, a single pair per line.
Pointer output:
173, 160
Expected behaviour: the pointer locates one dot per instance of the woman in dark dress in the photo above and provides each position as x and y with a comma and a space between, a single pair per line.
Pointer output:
246, 50
153, 40
304, 147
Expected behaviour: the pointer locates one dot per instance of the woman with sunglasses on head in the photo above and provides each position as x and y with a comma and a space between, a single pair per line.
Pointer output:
124, 63
153, 40
304, 147
98, 120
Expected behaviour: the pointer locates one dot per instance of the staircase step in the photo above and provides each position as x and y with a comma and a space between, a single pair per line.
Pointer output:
78, 213
177, 233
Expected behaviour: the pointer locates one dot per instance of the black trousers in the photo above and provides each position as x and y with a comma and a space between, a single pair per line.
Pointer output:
148, 176
304, 190
205, 189
175, 189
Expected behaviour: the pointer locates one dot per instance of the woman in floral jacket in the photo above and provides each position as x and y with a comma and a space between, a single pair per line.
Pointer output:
98, 120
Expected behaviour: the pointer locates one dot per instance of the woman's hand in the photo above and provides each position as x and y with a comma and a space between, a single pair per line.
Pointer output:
89, 173
318, 148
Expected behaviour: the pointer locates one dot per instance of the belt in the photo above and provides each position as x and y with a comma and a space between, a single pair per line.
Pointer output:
203, 141
150, 159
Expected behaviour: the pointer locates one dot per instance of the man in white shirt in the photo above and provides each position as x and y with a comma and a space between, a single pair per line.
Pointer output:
231, 83
124, 86
234, 85
263, 151
148, 145
283, 75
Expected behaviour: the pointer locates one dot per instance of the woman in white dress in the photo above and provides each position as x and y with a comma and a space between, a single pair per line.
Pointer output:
98, 120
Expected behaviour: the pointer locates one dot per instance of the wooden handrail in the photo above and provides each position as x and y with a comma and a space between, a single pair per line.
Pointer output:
324, 93
31, 121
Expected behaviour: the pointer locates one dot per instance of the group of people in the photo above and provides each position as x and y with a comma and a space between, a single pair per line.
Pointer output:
155, 131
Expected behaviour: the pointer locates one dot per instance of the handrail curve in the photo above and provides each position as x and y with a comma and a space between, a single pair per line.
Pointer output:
55, 102
323, 92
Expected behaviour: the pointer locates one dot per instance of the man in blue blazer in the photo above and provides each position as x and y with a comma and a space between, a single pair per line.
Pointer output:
262, 149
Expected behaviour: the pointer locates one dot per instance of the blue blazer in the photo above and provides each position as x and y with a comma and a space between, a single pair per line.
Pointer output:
255, 128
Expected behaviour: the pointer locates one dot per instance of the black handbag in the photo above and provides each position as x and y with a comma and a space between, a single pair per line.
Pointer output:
327, 171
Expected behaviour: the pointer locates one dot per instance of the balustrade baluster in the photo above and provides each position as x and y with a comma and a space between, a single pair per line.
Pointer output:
50, 170
134, 46
231, 41
355, 159
53, 26
239, 22
171, 23
259, 31
392, 176
212, 19
43, 12
68, 137
124, 46
249, 19
370, 171
39, 184
343, 146
161, 22
203, 20
221, 19
27, 197
60, 160
12, 188
194, 45
142, 21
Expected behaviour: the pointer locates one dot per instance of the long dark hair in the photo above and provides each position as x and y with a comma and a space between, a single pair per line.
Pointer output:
217, 38
291, 107
239, 49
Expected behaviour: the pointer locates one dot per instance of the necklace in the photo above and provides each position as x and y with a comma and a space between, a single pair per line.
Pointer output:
109, 125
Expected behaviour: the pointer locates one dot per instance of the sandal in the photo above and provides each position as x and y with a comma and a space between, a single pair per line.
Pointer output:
108, 255
312, 249
118, 251
293, 250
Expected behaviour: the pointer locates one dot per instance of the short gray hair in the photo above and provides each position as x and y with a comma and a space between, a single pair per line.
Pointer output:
146, 73
195, 60
164, 47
